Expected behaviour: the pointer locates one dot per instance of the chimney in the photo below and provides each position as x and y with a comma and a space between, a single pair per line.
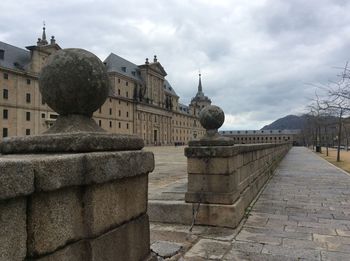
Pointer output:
53, 40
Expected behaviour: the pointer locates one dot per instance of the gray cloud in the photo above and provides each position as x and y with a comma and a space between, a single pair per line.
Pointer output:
256, 57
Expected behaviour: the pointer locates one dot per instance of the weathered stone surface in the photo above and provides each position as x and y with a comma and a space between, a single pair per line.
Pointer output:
102, 167
208, 249
127, 242
16, 178
78, 251
111, 204
210, 165
165, 249
212, 183
54, 219
13, 234
71, 142
58, 171
74, 81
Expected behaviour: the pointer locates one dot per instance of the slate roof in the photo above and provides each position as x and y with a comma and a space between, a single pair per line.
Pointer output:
184, 108
259, 132
115, 63
14, 57
169, 89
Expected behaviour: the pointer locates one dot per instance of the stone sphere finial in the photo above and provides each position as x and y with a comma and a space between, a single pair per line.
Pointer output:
74, 82
211, 117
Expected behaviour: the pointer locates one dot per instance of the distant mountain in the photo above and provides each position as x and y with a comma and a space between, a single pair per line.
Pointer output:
290, 122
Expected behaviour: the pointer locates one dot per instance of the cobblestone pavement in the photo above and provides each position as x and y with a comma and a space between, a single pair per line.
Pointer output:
303, 213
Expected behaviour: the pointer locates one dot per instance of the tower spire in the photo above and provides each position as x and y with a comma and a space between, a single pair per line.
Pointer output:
200, 89
43, 38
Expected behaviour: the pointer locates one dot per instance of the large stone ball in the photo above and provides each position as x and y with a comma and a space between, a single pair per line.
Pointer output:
211, 117
74, 81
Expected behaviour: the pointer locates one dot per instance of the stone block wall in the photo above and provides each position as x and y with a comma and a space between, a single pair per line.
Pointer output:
81, 206
225, 179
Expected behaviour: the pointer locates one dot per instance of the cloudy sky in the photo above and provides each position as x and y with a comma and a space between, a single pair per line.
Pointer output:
257, 58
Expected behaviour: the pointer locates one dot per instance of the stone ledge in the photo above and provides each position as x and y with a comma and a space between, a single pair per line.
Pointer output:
227, 151
57, 171
16, 178
70, 142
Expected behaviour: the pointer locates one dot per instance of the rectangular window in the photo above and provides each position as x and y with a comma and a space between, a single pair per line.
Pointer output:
118, 80
5, 94
127, 125
110, 111
6, 76
5, 114
118, 91
119, 125
43, 115
28, 116
99, 123
100, 110
27, 131
127, 84
127, 114
4, 132
119, 113
28, 81
127, 94
28, 98
110, 124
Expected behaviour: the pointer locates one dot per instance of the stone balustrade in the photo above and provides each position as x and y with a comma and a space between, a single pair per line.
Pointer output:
84, 206
225, 179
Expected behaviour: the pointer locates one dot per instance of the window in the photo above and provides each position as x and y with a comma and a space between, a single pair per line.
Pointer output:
42, 101
28, 98
99, 123
119, 125
5, 114
127, 94
124, 69
4, 132
53, 116
100, 110
28, 81
110, 99
2, 54
127, 114
127, 125
127, 84
118, 80
27, 131
28, 116
119, 113
110, 124
5, 94
118, 91
43, 115
110, 111
6, 76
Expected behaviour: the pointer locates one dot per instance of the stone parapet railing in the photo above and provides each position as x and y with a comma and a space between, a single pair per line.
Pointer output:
229, 176
83, 206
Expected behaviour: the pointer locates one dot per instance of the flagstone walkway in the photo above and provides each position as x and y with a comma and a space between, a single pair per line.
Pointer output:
303, 213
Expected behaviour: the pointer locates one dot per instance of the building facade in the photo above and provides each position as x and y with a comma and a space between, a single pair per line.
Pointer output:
141, 101
263, 136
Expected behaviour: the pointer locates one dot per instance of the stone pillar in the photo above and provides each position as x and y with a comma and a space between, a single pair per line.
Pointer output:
74, 192
210, 164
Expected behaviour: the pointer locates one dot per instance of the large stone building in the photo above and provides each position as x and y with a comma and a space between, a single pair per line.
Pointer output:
141, 100
263, 136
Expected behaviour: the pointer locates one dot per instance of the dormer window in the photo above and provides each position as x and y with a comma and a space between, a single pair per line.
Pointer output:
2, 54
124, 69
133, 73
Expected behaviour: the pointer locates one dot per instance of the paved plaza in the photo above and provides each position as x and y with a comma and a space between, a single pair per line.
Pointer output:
303, 213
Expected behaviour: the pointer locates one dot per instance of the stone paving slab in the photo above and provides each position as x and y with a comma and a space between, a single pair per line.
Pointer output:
303, 213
